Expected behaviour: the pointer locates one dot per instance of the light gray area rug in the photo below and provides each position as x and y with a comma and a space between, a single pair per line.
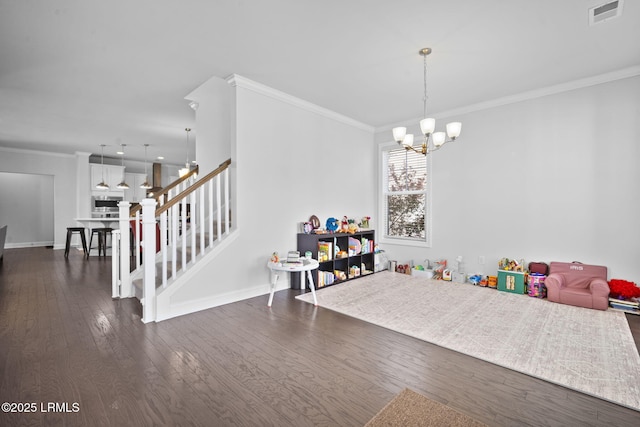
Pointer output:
591, 351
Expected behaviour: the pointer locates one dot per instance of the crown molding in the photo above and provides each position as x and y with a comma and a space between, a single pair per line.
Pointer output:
525, 96
236, 80
30, 151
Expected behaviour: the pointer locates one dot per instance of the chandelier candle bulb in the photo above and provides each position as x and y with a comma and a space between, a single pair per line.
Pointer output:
408, 140
427, 126
453, 129
399, 133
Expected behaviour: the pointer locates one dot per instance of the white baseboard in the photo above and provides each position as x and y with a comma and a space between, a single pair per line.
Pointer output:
212, 301
28, 245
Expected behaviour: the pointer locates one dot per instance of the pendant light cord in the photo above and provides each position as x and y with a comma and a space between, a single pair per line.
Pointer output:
424, 99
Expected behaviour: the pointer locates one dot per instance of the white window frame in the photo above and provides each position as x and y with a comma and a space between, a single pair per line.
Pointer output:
382, 193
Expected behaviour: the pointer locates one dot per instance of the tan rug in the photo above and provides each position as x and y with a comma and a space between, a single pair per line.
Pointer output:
591, 351
409, 409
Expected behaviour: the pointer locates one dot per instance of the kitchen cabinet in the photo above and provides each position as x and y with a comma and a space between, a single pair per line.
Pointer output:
112, 176
135, 193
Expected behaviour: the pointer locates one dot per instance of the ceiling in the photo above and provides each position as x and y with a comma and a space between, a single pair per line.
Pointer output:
75, 74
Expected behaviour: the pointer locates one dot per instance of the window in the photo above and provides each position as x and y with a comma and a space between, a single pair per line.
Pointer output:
404, 196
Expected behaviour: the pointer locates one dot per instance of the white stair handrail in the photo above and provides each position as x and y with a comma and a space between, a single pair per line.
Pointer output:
182, 220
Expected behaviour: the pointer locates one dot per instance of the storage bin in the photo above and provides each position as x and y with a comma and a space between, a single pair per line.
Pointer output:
512, 281
536, 287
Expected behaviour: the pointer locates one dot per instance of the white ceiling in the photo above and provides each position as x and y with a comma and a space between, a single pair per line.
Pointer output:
78, 73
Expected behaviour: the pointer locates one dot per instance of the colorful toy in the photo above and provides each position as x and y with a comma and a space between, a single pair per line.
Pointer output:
332, 224
365, 222
275, 258
344, 225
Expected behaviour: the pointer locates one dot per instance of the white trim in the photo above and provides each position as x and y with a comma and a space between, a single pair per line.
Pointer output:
189, 307
243, 82
525, 96
30, 245
42, 153
428, 227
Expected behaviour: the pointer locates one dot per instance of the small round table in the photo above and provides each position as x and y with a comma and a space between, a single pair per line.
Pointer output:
306, 265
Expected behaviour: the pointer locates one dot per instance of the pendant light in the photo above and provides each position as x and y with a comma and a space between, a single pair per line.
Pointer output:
102, 185
145, 184
187, 166
123, 185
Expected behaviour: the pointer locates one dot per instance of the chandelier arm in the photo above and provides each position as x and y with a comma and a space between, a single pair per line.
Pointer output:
413, 148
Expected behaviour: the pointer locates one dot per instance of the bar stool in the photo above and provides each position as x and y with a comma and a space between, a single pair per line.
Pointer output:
70, 232
102, 239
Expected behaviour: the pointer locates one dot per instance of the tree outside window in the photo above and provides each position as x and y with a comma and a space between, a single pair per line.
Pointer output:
405, 194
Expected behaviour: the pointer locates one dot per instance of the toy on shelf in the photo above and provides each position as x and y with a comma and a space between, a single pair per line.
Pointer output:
307, 227
332, 224
344, 225
507, 264
275, 258
364, 223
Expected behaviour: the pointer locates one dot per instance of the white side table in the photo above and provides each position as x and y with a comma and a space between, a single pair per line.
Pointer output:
307, 265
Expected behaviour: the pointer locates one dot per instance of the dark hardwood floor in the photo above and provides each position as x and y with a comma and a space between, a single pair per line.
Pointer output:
64, 340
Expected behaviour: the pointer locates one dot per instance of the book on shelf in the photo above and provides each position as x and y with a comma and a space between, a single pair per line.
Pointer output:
367, 245
325, 251
325, 278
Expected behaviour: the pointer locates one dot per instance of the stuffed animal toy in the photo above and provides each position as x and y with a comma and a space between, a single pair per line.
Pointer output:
344, 225
332, 224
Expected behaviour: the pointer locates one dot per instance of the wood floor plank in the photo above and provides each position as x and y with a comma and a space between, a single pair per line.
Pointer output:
64, 339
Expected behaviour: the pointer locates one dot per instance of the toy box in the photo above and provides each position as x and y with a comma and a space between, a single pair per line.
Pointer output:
512, 281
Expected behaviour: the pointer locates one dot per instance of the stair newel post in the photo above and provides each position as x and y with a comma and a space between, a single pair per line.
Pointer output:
126, 290
149, 259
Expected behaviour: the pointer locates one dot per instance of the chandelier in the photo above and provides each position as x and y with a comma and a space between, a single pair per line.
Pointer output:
432, 141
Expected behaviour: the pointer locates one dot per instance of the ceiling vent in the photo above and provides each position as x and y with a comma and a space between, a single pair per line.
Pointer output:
604, 12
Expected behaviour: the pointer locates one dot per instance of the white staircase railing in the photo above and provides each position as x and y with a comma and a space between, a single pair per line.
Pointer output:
178, 229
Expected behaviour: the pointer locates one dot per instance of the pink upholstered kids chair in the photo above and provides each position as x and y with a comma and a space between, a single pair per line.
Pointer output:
578, 284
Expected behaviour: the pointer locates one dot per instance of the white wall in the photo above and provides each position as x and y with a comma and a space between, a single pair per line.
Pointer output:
213, 118
320, 165
65, 173
25, 209
548, 179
